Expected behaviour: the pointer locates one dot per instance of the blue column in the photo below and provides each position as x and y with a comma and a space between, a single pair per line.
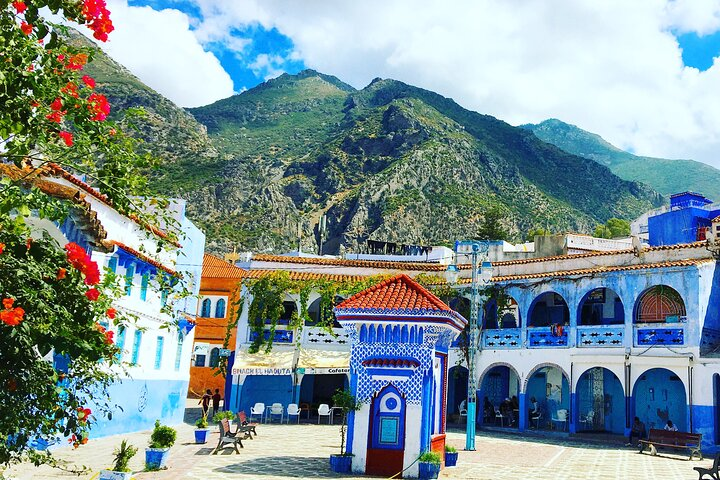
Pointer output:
296, 389
573, 413
351, 416
235, 394
523, 413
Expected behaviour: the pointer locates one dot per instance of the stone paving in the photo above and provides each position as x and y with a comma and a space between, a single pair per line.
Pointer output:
302, 451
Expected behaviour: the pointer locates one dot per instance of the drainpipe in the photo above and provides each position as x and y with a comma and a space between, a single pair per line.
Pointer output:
690, 391
628, 406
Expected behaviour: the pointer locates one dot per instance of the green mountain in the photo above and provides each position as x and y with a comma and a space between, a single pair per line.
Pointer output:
389, 162
664, 175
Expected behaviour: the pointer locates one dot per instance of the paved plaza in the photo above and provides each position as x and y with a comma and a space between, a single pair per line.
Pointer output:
302, 451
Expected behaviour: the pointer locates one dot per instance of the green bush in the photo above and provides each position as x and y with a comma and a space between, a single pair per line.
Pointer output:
430, 457
202, 422
162, 436
123, 454
450, 449
221, 415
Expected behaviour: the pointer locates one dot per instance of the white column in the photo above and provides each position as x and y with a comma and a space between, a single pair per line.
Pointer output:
413, 419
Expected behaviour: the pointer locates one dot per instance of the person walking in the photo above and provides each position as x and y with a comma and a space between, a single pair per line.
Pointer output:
205, 401
216, 401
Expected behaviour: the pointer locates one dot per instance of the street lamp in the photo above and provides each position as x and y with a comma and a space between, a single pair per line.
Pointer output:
475, 250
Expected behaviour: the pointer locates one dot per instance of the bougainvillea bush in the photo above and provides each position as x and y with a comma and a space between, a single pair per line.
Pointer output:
56, 320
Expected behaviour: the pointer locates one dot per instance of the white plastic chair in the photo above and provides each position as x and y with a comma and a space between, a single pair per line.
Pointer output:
276, 409
588, 419
293, 410
560, 416
462, 410
324, 411
499, 417
257, 410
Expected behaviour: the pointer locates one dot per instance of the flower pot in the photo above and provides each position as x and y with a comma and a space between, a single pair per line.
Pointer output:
113, 475
340, 463
156, 458
451, 459
201, 435
428, 470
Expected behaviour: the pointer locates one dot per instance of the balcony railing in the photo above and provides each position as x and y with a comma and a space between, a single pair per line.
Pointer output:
543, 337
659, 334
280, 336
320, 336
505, 339
600, 336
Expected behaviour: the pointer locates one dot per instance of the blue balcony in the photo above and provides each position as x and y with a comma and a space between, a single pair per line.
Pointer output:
600, 336
502, 339
543, 337
661, 335
281, 336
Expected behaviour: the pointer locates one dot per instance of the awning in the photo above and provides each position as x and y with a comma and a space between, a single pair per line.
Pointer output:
323, 362
274, 363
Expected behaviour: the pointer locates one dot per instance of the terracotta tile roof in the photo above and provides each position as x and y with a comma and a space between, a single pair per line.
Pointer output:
215, 267
333, 277
598, 270
145, 258
400, 293
598, 254
428, 267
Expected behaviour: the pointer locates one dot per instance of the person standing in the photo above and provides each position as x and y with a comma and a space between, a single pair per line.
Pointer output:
205, 401
216, 401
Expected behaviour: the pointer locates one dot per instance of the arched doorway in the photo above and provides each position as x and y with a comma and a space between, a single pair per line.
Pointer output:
601, 306
507, 315
456, 393
659, 396
549, 386
548, 309
659, 304
600, 401
499, 397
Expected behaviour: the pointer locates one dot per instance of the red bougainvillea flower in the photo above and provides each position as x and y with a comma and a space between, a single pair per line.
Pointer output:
28, 243
91, 272
61, 58
11, 316
109, 337
111, 312
61, 273
77, 61
99, 106
8, 303
71, 89
66, 137
55, 117
26, 28
20, 7
75, 255
92, 294
97, 18
89, 81
2, 247
56, 104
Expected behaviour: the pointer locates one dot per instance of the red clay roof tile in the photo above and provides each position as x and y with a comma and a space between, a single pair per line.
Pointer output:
397, 293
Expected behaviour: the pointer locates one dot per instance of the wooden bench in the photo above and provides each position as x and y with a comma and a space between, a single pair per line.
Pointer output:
245, 426
677, 440
227, 438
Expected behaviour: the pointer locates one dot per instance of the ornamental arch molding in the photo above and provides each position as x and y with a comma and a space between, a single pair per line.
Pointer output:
540, 366
494, 365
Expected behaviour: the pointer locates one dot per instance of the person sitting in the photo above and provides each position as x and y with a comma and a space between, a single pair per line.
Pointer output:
506, 410
515, 403
670, 427
535, 410
488, 410
637, 430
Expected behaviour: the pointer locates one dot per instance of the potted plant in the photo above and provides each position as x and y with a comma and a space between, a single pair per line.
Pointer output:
201, 432
347, 403
429, 465
162, 438
451, 456
218, 417
120, 470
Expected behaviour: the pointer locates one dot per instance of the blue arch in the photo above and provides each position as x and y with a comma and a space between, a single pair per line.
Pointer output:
659, 395
555, 313
600, 411
603, 315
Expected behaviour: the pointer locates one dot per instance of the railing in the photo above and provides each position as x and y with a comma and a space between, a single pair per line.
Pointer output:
280, 336
659, 334
543, 337
600, 336
505, 339
320, 336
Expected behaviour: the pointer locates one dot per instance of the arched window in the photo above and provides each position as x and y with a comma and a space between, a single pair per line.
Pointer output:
214, 357
220, 309
660, 304
205, 312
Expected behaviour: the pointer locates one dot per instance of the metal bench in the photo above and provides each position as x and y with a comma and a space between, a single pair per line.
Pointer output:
712, 471
244, 426
227, 438
677, 440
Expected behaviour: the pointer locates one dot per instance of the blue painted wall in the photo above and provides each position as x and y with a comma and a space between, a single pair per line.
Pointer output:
457, 389
612, 402
537, 387
658, 398
267, 389
143, 402
678, 226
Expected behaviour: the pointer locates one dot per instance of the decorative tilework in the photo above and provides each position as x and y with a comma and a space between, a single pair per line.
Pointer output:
505, 339
659, 336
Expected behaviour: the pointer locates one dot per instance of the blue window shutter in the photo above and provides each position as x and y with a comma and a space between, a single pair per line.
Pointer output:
199, 360
136, 347
112, 264
129, 274
144, 287
220, 309
159, 352
178, 351
206, 305
214, 357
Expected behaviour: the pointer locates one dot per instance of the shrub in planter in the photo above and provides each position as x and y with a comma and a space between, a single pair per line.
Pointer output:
120, 470
429, 465
218, 417
162, 438
451, 456
201, 432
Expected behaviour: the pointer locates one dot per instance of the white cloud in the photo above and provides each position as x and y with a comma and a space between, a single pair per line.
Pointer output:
611, 67
160, 48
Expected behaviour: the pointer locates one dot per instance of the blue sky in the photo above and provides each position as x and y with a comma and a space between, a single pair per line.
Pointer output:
699, 51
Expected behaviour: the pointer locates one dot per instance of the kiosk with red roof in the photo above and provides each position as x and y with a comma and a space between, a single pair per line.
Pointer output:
398, 363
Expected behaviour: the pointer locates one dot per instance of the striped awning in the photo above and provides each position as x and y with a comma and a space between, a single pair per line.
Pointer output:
323, 361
